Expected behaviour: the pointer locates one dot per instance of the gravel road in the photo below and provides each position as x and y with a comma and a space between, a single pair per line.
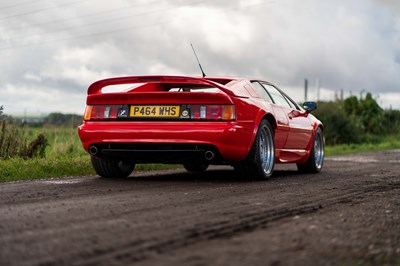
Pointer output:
347, 215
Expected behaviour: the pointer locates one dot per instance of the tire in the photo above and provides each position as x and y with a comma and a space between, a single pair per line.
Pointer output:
315, 161
259, 163
195, 167
112, 168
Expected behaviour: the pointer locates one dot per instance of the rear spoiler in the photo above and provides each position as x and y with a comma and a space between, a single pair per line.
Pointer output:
97, 86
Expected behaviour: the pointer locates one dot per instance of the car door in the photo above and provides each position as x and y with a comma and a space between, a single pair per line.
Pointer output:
282, 130
300, 128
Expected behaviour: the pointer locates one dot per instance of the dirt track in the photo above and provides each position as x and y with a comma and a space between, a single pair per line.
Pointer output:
347, 215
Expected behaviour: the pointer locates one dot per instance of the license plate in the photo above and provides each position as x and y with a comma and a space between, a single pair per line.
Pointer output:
155, 111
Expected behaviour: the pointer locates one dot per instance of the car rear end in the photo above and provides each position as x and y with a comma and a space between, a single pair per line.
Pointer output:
164, 119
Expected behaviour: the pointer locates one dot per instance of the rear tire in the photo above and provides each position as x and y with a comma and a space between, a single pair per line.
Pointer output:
112, 168
195, 167
315, 161
260, 162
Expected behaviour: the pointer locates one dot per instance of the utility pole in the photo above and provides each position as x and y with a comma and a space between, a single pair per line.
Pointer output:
305, 89
318, 86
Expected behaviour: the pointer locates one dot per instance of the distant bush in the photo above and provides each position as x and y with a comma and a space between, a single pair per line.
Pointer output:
13, 142
339, 128
357, 120
391, 121
367, 111
59, 119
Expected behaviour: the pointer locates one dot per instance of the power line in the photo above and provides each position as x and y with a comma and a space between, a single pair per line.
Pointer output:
21, 4
105, 32
117, 30
83, 16
94, 34
103, 21
43, 9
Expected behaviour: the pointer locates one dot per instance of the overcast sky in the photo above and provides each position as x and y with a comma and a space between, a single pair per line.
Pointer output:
52, 50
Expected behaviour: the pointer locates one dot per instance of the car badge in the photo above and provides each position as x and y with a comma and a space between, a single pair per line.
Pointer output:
123, 112
185, 113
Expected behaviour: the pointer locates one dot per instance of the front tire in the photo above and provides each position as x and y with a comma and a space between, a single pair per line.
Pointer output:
260, 162
112, 168
315, 161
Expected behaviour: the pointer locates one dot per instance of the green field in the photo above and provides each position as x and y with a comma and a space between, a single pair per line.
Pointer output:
66, 157
385, 143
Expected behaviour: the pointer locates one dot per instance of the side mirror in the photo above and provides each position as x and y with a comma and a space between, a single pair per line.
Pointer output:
309, 106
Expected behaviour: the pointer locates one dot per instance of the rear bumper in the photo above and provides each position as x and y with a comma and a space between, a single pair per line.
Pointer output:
157, 153
148, 141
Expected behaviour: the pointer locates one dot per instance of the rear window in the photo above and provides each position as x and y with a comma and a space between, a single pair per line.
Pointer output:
121, 87
194, 89
222, 81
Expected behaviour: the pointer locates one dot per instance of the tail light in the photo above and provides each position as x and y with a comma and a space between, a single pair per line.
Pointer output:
213, 112
101, 112
187, 112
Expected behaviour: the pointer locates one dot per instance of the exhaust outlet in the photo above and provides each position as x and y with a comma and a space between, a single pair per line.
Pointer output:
209, 155
93, 150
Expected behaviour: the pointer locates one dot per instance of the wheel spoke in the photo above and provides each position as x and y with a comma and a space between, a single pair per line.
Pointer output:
318, 150
266, 150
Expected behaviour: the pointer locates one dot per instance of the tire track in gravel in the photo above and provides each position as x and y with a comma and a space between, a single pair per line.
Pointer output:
136, 251
93, 221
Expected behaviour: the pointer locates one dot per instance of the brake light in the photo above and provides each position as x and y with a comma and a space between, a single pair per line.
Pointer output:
213, 112
101, 112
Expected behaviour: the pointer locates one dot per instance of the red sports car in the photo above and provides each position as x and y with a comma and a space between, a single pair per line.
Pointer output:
247, 123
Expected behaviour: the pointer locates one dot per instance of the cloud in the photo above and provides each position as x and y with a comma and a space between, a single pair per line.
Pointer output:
349, 45
392, 4
23, 98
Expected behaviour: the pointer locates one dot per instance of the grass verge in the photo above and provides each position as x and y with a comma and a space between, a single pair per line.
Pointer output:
65, 157
382, 144
38, 168
20, 169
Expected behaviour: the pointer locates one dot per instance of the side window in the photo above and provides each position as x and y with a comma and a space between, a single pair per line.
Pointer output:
261, 91
276, 96
292, 104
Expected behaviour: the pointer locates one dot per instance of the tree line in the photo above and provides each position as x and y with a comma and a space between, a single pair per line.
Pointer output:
54, 119
59, 119
357, 120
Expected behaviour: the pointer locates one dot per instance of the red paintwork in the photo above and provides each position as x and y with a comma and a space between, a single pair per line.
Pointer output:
294, 129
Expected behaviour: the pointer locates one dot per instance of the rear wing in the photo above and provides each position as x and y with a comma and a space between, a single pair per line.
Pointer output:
96, 87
